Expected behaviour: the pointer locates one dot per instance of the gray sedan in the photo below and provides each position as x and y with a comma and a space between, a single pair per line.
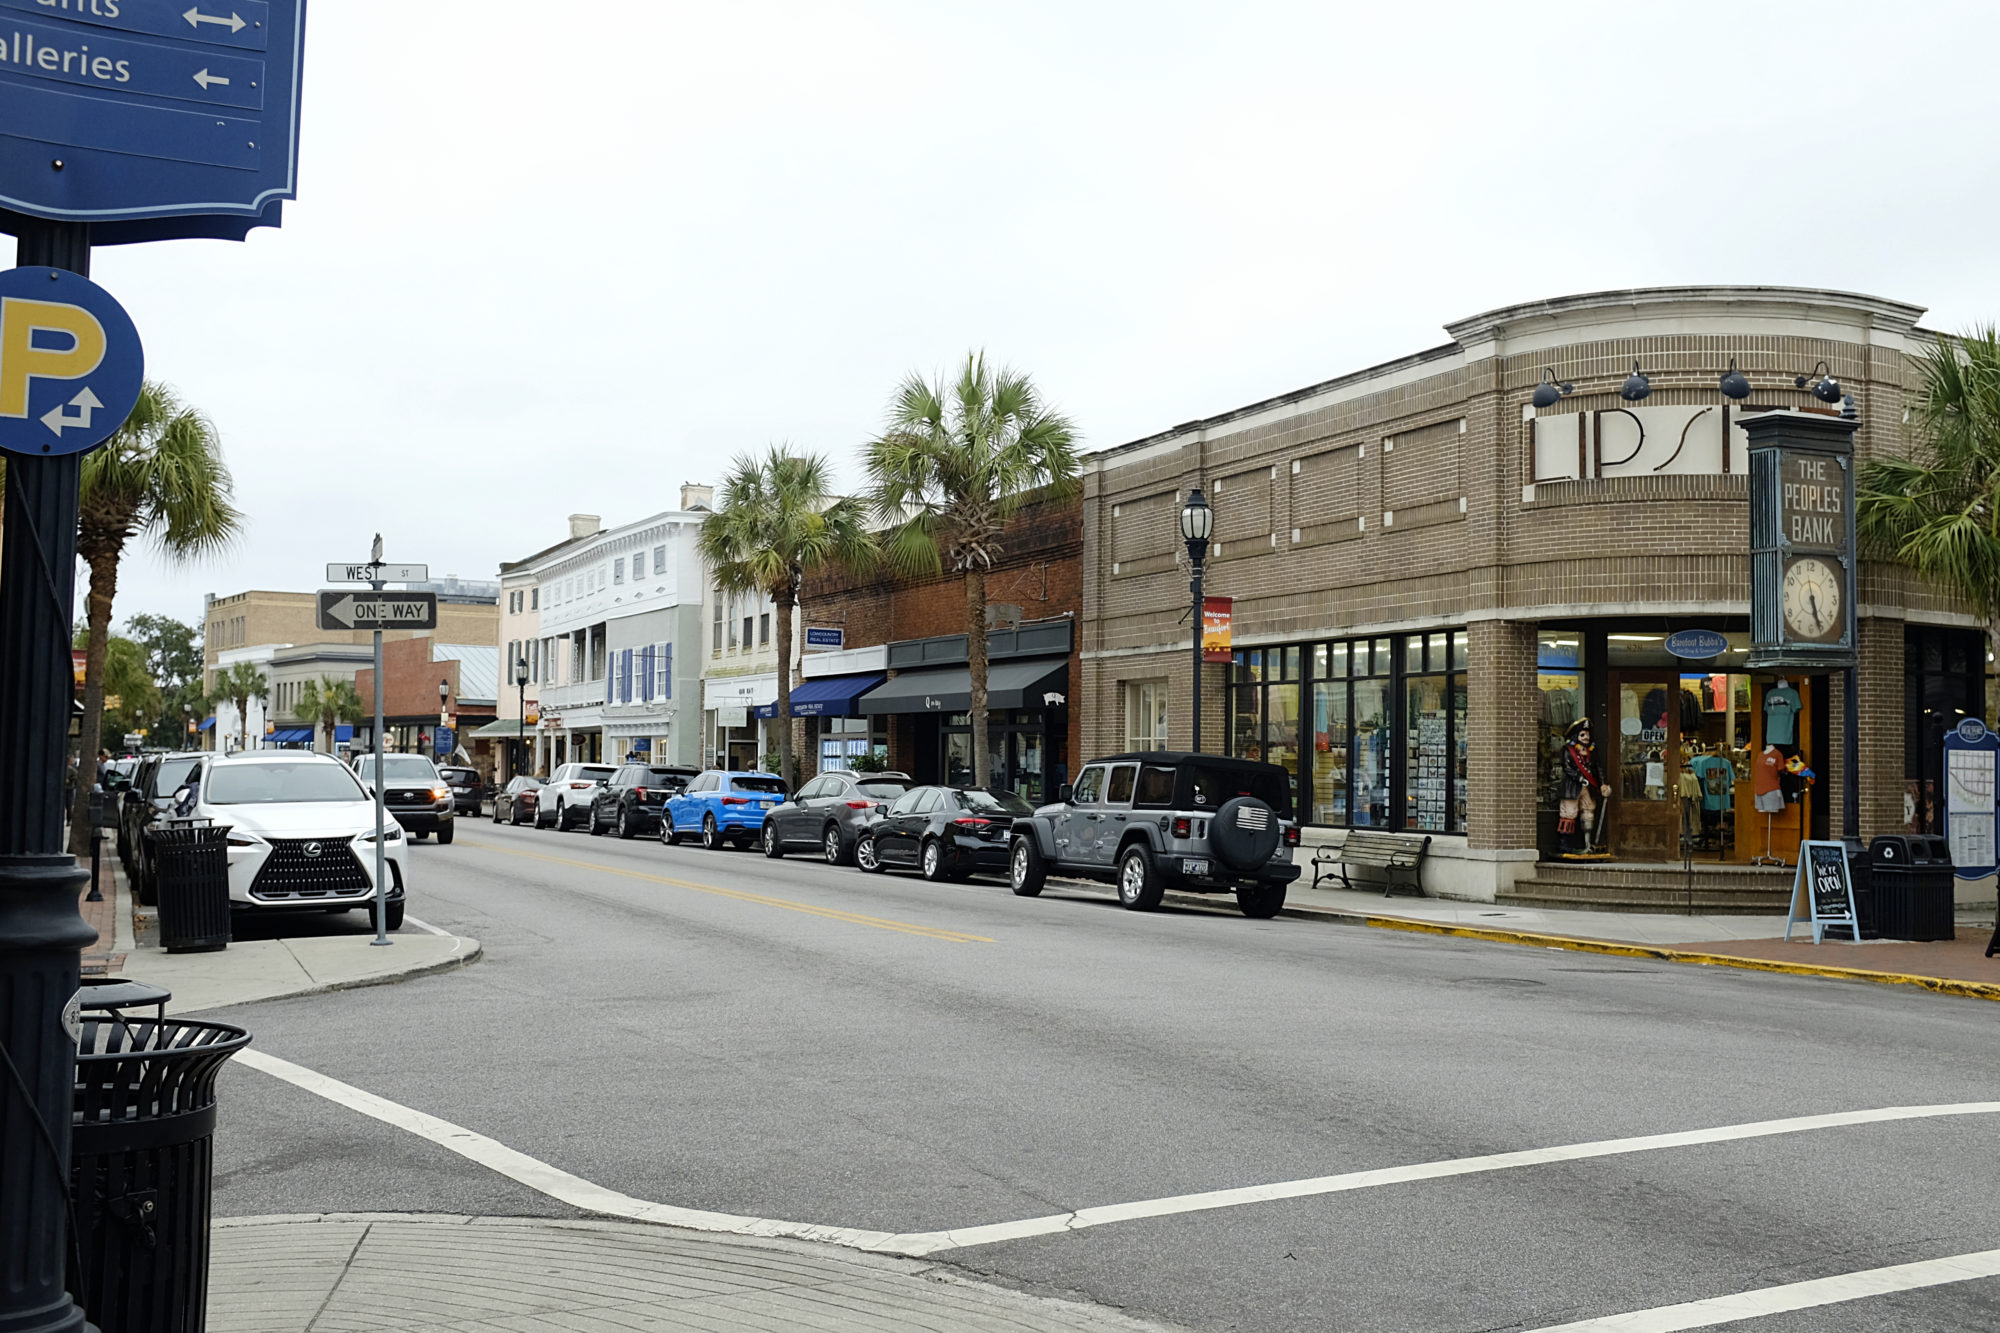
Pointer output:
828, 813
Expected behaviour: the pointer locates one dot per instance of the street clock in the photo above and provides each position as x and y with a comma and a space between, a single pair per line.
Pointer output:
1802, 559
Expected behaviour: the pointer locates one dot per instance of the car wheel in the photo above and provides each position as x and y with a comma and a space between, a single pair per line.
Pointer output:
668, 838
1138, 887
833, 848
626, 831
444, 834
1261, 902
932, 860
392, 916
773, 847
594, 824
1025, 870
711, 836
561, 821
864, 854
496, 812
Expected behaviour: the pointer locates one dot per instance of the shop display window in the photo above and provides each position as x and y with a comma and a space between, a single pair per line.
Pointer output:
1387, 740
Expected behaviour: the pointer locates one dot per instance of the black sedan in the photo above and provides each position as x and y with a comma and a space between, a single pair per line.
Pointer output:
515, 803
944, 832
467, 787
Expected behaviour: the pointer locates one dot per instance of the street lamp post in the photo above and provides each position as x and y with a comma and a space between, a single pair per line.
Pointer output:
444, 709
1197, 521
521, 688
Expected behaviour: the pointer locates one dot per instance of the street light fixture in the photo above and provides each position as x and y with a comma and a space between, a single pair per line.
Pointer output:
521, 686
1197, 522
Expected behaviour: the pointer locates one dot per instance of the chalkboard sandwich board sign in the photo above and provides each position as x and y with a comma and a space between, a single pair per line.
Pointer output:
1823, 892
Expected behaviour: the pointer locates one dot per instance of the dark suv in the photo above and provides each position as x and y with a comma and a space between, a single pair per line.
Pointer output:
413, 792
151, 796
629, 801
1163, 819
467, 788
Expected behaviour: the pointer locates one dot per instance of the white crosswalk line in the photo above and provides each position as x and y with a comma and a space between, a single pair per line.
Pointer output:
1792, 1296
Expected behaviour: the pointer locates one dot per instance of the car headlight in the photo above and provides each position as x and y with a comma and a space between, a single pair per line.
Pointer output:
239, 839
439, 793
394, 833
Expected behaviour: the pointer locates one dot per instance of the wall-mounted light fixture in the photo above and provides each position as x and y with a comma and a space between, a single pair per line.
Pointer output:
1548, 393
1636, 386
1734, 385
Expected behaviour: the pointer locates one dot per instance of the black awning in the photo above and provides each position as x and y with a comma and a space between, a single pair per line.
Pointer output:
1019, 684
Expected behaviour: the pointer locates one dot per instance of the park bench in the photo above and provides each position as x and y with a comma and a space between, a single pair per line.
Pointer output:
1387, 852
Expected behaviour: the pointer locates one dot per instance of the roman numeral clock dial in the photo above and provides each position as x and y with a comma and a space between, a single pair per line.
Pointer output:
1811, 599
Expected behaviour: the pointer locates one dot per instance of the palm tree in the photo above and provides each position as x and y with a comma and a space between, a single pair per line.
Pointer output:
240, 684
1938, 509
326, 703
778, 521
160, 476
955, 462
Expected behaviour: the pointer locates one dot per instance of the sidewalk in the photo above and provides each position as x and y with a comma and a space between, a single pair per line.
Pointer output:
441, 1274
254, 969
1953, 967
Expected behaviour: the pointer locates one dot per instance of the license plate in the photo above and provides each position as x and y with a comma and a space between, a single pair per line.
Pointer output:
1194, 865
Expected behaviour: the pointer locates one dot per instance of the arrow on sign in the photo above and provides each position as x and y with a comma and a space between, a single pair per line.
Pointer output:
85, 403
204, 78
196, 18
343, 611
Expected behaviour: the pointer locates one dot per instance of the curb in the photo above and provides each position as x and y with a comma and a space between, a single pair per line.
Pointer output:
448, 964
1972, 990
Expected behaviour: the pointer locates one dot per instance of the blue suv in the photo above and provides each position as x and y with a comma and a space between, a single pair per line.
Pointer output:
721, 807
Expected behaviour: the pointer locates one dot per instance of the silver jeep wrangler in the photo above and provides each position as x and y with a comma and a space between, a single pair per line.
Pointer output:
1164, 819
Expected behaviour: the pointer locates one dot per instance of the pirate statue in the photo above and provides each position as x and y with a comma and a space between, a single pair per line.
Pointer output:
1582, 788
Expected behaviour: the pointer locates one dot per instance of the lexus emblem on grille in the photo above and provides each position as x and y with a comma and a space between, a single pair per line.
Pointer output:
310, 849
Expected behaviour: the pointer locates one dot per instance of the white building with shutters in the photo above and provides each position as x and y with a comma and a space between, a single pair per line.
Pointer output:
619, 640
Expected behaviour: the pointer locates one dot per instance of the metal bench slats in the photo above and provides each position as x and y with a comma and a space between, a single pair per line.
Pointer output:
1378, 851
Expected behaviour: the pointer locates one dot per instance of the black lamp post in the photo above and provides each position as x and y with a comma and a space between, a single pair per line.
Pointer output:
1197, 521
444, 715
521, 688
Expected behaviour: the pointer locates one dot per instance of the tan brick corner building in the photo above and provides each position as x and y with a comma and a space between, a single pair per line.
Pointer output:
1432, 579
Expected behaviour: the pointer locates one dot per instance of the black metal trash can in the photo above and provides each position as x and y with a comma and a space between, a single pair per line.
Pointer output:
1914, 889
191, 866
142, 1169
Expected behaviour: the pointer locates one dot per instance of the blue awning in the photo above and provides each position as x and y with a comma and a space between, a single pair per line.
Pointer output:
208, 724
290, 736
829, 696
343, 733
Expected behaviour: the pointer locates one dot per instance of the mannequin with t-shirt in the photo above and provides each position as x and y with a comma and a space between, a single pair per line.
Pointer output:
1716, 777
1766, 772
1781, 716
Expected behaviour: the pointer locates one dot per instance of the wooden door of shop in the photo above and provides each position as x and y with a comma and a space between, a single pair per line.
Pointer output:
1642, 764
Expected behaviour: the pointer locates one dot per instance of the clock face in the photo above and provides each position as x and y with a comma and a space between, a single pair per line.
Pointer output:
1811, 599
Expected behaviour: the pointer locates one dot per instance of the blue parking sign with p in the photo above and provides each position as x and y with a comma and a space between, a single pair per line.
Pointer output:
71, 366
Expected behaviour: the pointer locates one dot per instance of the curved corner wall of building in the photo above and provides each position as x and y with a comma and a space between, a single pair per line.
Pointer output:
1432, 579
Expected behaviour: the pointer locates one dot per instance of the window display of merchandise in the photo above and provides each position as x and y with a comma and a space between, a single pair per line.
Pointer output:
1385, 720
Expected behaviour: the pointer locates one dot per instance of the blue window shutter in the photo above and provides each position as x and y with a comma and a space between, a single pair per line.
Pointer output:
625, 676
646, 673
667, 650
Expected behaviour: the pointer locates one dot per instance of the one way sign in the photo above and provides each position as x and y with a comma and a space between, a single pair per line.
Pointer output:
341, 609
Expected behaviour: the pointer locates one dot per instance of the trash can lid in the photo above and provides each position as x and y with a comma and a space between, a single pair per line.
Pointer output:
104, 993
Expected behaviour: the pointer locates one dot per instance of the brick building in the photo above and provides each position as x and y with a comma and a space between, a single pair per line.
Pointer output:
1432, 579
898, 683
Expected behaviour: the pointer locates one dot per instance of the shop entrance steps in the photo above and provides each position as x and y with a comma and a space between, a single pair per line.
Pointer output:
1653, 886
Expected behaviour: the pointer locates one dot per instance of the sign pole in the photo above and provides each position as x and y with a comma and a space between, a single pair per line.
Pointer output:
381, 858
42, 936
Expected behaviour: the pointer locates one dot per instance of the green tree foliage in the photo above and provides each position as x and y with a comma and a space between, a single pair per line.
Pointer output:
777, 521
325, 704
958, 458
131, 699
1938, 509
241, 683
160, 477
173, 656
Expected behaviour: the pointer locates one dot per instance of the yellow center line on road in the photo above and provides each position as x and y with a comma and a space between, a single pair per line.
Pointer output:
831, 913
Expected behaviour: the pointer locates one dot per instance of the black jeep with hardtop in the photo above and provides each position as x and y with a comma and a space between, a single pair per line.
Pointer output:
1164, 819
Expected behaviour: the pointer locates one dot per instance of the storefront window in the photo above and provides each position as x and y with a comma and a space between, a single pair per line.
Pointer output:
1943, 671
1559, 675
1387, 717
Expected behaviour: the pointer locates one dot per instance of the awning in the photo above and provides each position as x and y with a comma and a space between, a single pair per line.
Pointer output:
343, 733
290, 736
1018, 684
208, 724
507, 728
829, 696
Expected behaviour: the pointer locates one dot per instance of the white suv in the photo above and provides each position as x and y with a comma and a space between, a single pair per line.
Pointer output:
301, 833
566, 799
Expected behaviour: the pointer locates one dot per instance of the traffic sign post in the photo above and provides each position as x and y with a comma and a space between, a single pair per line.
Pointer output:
340, 609
149, 120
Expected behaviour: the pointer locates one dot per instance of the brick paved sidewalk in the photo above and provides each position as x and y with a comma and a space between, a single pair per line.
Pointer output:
104, 956
1961, 959
342, 1273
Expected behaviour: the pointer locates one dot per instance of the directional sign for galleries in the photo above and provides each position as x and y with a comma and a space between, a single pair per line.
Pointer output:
130, 114
343, 609
71, 365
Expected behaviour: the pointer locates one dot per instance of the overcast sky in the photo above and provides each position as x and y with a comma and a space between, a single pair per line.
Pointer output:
560, 256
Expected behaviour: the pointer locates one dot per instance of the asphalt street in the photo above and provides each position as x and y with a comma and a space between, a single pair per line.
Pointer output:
784, 1040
